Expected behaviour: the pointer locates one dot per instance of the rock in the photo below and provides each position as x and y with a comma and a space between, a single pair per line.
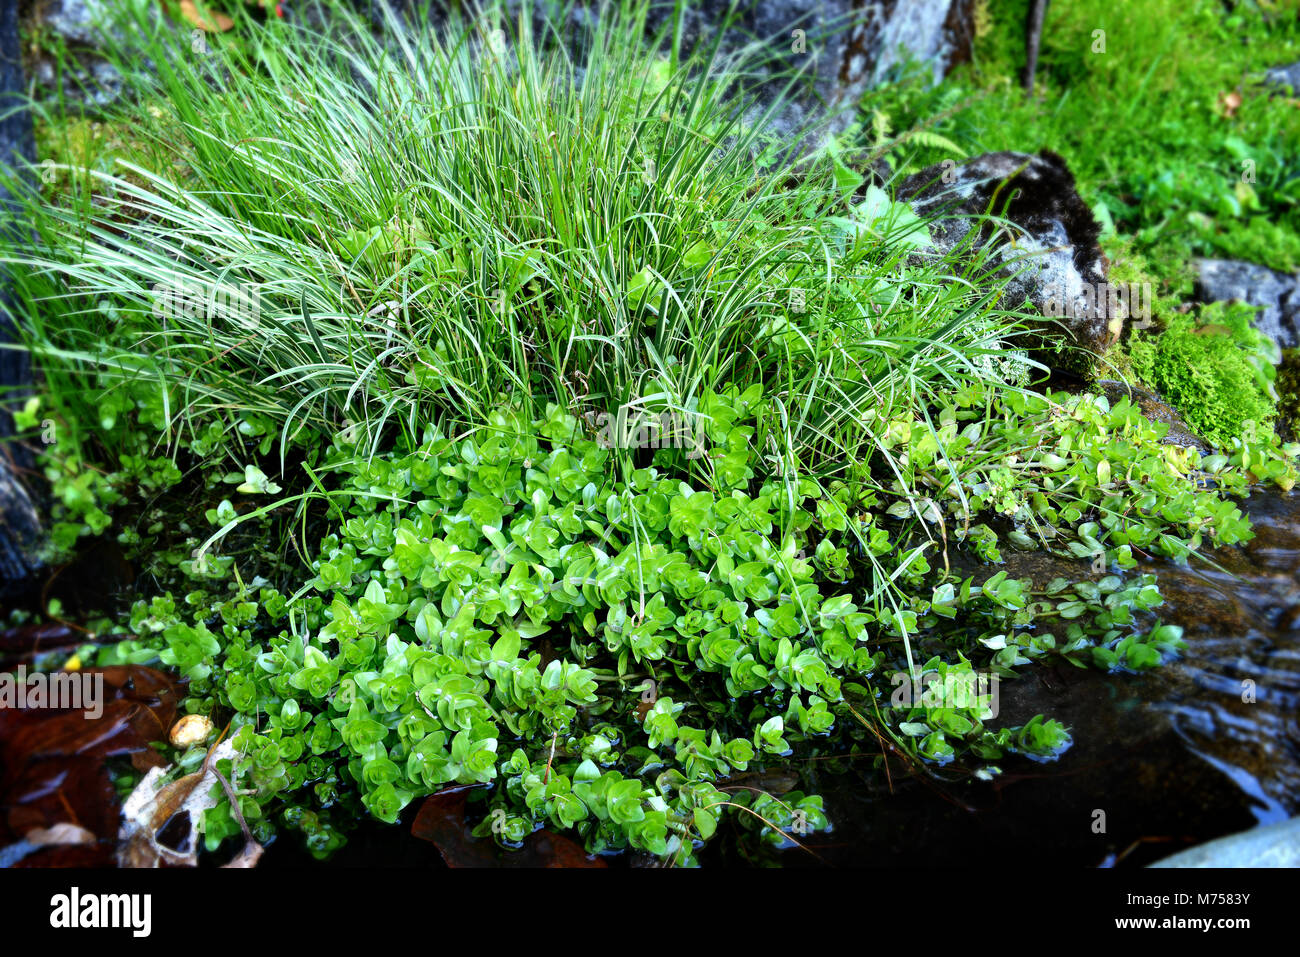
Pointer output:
1285, 76
843, 46
88, 80
93, 83
85, 26
1053, 257
847, 47
20, 528
20, 525
1155, 409
191, 730
938, 32
1275, 845
79, 22
1275, 293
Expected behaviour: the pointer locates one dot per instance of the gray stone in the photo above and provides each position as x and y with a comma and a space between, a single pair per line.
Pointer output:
93, 82
79, 22
1049, 247
20, 526
89, 82
1156, 409
851, 45
1275, 294
1285, 76
937, 32
1274, 845
843, 47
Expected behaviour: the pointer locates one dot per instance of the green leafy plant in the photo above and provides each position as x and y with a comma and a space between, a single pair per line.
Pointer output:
462, 258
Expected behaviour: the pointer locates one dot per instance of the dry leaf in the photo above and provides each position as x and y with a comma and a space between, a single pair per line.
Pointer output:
58, 834
171, 811
191, 13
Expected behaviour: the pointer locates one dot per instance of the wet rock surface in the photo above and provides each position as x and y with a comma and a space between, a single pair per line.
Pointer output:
1203, 747
1275, 845
1050, 249
1155, 409
1286, 77
1275, 293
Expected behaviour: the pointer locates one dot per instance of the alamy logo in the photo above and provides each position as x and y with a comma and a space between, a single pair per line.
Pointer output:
63, 690
75, 910
240, 304
1101, 301
668, 430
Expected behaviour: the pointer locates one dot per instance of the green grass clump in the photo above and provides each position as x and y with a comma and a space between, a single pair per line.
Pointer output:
431, 225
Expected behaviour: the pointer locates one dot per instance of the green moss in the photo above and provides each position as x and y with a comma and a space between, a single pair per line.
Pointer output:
1211, 364
69, 147
1213, 367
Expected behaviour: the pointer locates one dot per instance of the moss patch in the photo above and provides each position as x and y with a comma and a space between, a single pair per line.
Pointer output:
1213, 366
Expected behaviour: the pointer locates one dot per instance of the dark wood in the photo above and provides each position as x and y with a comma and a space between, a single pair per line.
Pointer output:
1033, 41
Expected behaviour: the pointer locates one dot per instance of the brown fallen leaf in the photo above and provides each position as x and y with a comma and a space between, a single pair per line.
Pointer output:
52, 761
27, 640
160, 823
191, 13
62, 833
443, 823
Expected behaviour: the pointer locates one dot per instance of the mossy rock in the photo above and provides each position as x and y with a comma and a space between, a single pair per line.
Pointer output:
1213, 366
1154, 409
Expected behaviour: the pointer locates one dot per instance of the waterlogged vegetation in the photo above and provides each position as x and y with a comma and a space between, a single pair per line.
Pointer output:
382, 530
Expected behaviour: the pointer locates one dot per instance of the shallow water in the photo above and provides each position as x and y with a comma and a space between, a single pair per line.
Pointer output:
1204, 746
1172, 758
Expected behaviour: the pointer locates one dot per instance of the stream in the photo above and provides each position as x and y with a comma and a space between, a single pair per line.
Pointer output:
1175, 757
